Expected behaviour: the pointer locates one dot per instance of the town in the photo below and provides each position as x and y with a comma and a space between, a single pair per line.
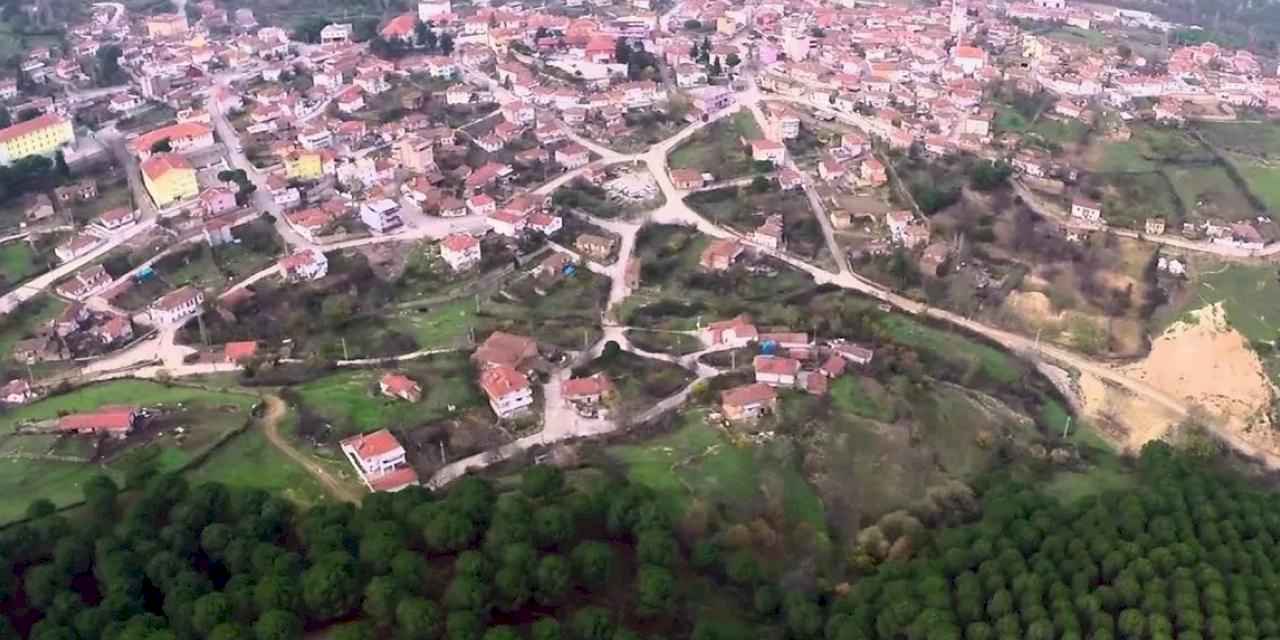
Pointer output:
465, 234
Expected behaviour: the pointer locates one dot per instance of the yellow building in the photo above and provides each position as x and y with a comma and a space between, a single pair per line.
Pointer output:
305, 165
167, 25
169, 178
40, 136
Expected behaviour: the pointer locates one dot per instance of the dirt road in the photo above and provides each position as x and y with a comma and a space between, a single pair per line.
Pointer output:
275, 413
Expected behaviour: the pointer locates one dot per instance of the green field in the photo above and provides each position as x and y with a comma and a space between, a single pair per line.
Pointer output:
992, 363
353, 403
438, 327
1148, 149
698, 462
141, 393
17, 263
1075, 35
1263, 179
678, 344
719, 148
1208, 192
249, 460
851, 395
1257, 139
1250, 295
27, 480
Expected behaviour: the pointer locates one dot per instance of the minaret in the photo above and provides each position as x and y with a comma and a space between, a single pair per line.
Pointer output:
959, 19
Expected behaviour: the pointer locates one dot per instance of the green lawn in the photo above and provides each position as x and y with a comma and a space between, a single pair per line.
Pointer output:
663, 342
1263, 179
994, 364
1259, 139
27, 480
249, 460
698, 461
1149, 148
1210, 193
442, 326
1076, 35
353, 404
1250, 295
849, 394
719, 148
17, 263
142, 393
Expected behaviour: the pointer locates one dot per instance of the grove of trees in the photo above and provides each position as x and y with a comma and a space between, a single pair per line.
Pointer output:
1186, 554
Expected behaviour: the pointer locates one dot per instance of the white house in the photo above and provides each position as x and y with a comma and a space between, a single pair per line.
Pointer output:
380, 461
381, 216
508, 390
176, 306
460, 250
775, 371
308, 264
1086, 210
768, 150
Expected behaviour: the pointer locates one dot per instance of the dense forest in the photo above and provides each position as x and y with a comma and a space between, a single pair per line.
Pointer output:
1191, 555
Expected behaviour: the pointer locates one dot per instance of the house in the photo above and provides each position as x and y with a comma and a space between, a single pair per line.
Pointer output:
572, 156
765, 150
176, 306
481, 205
775, 371
460, 250
830, 169
85, 283
79, 245
169, 178
873, 172
336, 33
721, 254
114, 421
518, 112
42, 135
854, 353
544, 223
350, 100
508, 390
381, 216
1087, 210
400, 28
17, 391
749, 401
503, 349
239, 352
380, 461
589, 390
217, 200
690, 75
1155, 226
308, 264
686, 179
117, 328
182, 137
508, 222
40, 208
737, 332
395, 385
769, 234
596, 247
78, 192
115, 219
70, 319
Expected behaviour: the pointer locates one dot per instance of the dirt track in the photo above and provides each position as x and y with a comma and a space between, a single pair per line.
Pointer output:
275, 413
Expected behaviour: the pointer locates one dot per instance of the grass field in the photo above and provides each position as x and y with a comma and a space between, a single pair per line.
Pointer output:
1075, 35
439, 327
17, 263
27, 480
351, 400
992, 363
249, 460
1129, 199
1263, 179
1250, 295
851, 395
662, 342
1258, 139
1148, 149
1208, 192
136, 392
698, 461
718, 148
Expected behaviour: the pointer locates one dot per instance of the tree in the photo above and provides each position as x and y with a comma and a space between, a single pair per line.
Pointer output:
40, 508
622, 51
211, 610
761, 184
655, 591
278, 625
593, 563
107, 70
449, 531
657, 547
467, 593
501, 633
381, 597
541, 481
732, 60
592, 623
989, 176
279, 591
330, 589
716, 68
446, 44
419, 619
552, 526
546, 629
512, 587
464, 625
552, 580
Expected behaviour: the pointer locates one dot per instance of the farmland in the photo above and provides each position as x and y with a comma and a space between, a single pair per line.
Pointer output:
720, 148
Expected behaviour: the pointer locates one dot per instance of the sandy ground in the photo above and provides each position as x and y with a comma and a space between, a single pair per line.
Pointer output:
1204, 362
1126, 420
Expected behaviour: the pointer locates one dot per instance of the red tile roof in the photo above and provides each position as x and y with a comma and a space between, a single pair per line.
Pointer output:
593, 385
144, 142
239, 351
394, 480
113, 418
500, 381
399, 384
748, 394
372, 445
776, 366
161, 163
30, 126
459, 242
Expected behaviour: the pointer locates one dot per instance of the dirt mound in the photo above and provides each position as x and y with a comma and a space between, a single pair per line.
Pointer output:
1207, 363
1126, 420
1032, 306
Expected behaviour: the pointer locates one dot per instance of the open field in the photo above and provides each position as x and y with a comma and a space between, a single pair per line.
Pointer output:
1257, 139
568, 316
18, 261
720, 148
1147, 149
249, 460
993, 364
1263, 178
744, 209
136, 392
1208, 192
640, 382
663, 342
26, 480
352, 402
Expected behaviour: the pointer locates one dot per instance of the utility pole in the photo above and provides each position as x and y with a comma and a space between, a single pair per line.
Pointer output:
1066, 429
443, 459
345, 355
204, 335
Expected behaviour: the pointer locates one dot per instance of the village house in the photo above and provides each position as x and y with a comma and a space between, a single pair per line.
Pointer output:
686, 179
395, 385
721, 254
508, 390
854, 353
217, 201
85, 283
596, 247
461, 251
115, 329
176, 306
503, 349
776, 371
544, 223
769, 234
239, 352
873, 172
765, 150
79, 192
1154, 226
114, 421
591, 390
481, 205
115, 219
737, 332
507, 222
380, 461
748, 402
79, 245
1086, 210
381, 216
17, 391
572, 156
305, 265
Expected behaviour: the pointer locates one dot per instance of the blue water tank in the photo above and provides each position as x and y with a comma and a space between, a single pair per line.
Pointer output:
144, 275
570, 270
768, 347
